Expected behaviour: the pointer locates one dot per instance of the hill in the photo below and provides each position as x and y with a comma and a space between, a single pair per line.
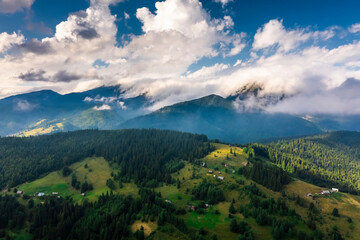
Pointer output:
329, 160
193, 205
102, 108
218, 118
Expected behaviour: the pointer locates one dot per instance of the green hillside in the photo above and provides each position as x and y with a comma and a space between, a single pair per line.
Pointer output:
329, 160
215, 191
97, 171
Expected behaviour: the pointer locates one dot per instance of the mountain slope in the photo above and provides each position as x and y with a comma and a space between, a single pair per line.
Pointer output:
102, 107
219, 119
328, 160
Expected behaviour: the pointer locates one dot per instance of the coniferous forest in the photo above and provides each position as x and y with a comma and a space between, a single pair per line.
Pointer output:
141, 154
252, 193
328, 160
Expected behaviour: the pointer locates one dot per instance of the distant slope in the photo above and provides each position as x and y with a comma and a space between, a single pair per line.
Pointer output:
218, 119
102, 108
330, 159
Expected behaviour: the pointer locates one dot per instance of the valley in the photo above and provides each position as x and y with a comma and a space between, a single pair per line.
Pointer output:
204, 216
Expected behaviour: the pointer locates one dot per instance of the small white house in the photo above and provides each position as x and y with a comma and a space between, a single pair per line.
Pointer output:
221, 178
55, 193
334, 190
214, 176
233, 171
210, 171
203, 164
325, 192
309, 195
20, 192
41, 194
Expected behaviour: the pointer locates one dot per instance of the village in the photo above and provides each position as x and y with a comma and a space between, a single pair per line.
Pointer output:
41, 194
323, 193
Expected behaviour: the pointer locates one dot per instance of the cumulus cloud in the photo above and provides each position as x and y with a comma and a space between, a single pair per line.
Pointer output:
12, 6
9, 40
100, 99
344, 99
354, 28
37, 47
65, 76
33, 75
176, 36
274, 33
223, 2
209, 71
64, 58
103, 107
106, 101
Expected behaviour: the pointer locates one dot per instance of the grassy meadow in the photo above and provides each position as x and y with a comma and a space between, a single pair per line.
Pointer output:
97, 172
215, 219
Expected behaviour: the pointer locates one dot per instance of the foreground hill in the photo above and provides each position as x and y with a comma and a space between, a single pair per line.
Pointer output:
218, 118
156, 184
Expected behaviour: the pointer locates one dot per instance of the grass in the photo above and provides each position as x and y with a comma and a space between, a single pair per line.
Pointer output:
214, 223
149, 227
222, 155
347, 204
97, 172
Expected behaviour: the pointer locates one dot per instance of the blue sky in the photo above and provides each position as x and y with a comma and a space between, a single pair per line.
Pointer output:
175, 50
248, 15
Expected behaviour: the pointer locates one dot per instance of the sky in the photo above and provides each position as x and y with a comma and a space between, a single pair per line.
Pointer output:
176, 50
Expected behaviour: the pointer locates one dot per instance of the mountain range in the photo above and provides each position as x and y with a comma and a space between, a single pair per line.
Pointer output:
227, 119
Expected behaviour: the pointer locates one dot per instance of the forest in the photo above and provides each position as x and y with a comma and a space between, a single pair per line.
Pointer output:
251, 195
26, 159
327, 160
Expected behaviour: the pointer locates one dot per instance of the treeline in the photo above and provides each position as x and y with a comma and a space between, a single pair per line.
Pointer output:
328, 160
141, 154
269, 176
12, 214
110, 217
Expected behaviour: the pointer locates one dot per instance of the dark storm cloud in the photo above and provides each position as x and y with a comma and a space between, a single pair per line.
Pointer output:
64, 76
33, 75
88, 33
37, 47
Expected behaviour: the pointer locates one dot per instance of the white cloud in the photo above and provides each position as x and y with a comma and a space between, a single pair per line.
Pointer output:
344, 99
274, 34
122, 104
24, 106
238, 62
354, 28
176, 36
103, 107
68, 56
12, 6
223, 2
9, 40
209, 71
